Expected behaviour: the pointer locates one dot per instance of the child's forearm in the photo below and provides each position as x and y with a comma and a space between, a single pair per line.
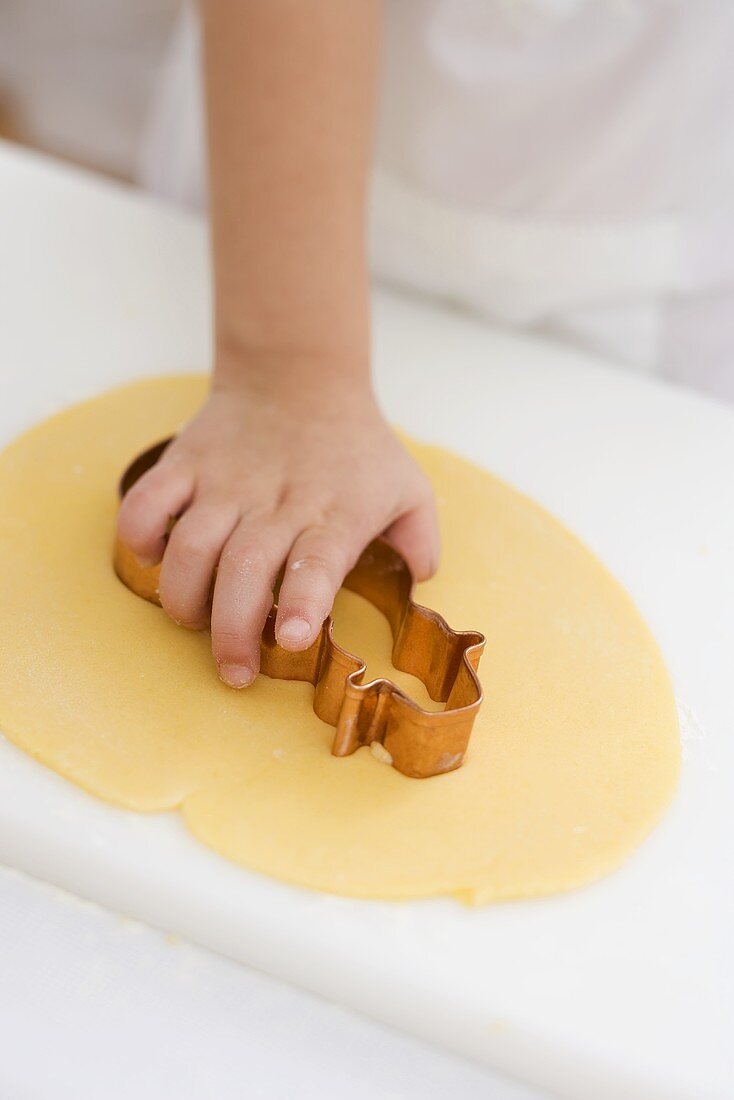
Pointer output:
290, 93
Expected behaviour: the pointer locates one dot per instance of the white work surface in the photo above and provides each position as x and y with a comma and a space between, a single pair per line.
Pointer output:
621, 991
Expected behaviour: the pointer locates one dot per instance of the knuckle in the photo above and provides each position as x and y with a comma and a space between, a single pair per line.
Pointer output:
229, 642
137, 491
229, 636
316, 557
314, 609
311, 563
244, 561
131, 516
130, 532
144, 491
191, 546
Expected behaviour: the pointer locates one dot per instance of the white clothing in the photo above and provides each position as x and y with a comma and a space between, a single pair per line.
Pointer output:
564, 165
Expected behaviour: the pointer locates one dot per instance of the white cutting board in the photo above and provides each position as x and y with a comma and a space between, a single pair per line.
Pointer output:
618, 992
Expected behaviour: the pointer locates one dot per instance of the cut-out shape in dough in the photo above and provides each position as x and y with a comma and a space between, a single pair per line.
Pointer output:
572, 760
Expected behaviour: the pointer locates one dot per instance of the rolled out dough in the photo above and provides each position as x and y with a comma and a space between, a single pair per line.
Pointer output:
572, 760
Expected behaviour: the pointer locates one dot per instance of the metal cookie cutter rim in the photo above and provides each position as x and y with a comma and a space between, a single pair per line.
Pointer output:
417, 742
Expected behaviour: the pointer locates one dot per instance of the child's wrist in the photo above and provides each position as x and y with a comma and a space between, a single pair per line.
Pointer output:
278, 368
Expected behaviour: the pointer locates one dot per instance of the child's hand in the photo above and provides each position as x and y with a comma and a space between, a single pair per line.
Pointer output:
263, 477
289, 462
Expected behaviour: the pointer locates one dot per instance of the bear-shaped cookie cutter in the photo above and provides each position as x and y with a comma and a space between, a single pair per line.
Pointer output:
418, 742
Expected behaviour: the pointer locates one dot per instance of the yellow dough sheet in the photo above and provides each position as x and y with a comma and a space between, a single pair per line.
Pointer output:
573, 758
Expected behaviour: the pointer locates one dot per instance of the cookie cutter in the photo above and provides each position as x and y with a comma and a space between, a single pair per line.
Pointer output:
418, 742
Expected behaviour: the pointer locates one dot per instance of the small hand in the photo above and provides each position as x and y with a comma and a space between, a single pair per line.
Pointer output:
262, 477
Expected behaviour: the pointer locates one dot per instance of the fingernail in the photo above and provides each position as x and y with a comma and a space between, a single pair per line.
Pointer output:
237, 676
294, 631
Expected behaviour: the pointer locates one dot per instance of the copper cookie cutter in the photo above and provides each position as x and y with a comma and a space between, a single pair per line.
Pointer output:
417, 742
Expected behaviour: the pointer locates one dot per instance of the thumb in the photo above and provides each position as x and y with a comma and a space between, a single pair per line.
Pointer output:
415, 536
